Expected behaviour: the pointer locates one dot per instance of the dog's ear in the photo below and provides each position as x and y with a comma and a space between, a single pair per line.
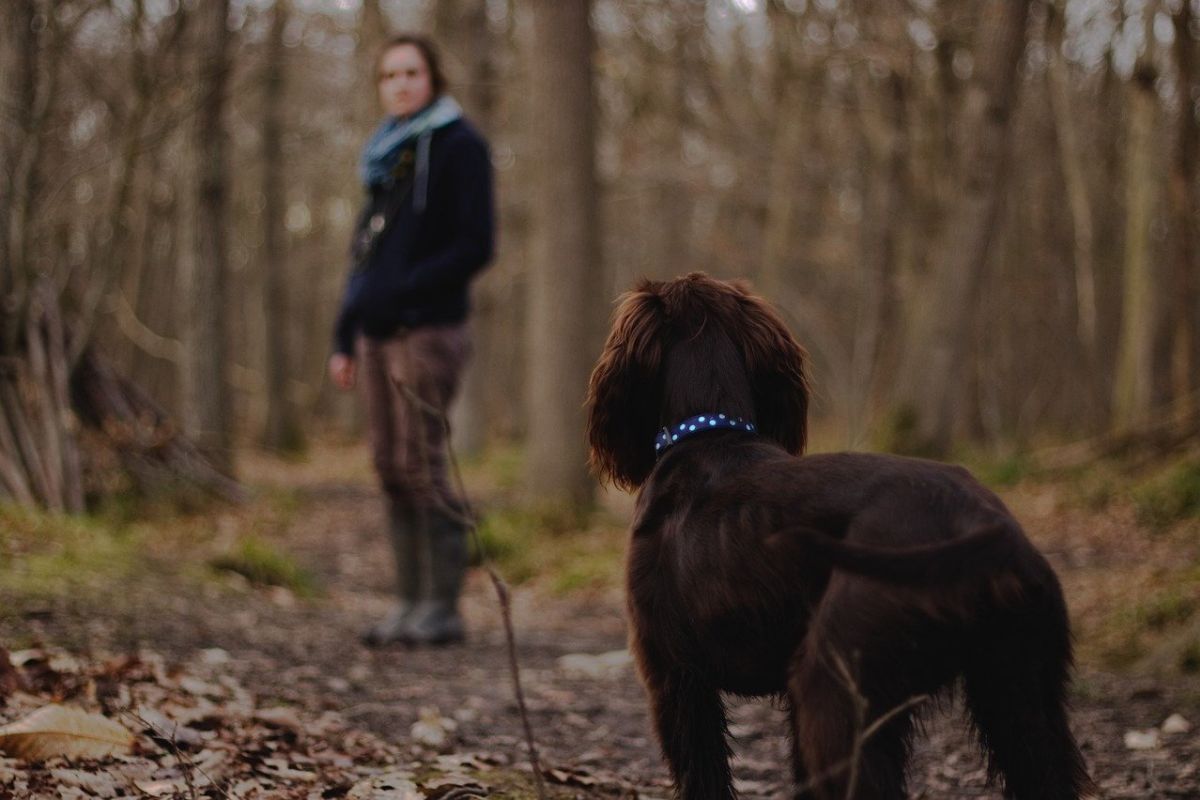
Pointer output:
777, 367
625, 391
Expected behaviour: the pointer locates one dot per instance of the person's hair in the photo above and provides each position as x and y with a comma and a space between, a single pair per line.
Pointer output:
425, 46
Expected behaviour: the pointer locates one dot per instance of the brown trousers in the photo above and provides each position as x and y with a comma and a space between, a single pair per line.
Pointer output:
408, 438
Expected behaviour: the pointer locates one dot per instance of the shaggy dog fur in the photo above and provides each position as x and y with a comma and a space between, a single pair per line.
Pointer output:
853, 586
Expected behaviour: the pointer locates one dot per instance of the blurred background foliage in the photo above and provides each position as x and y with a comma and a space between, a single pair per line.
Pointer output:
980, 218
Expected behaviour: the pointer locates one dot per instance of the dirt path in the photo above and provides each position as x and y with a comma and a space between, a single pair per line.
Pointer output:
589, 722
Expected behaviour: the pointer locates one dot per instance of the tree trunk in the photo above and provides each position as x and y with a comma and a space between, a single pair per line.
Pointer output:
779, 236
283, 432
462, 26
941, 353
793, 107
14, 35
566, 256
1185, 284
25, 102
207, 401
111, 252
669, 243
39, 454
885, 134
1134, 385
144, 439
372, 33
1075, 178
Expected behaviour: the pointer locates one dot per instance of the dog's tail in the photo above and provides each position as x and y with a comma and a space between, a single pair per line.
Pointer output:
982, 550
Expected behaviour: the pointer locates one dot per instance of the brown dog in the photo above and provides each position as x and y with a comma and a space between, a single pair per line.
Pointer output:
852, 585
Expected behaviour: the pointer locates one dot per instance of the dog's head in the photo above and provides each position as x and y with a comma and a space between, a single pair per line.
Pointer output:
688, 346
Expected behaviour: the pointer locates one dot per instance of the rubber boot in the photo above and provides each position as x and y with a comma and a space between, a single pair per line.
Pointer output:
405, 534
436, 619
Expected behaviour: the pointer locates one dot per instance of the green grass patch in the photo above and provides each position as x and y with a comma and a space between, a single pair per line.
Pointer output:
500, 465
282, 504
899, 433
1095, 490
45, 554
1174, 606
1125, 651
997, 470
1004, 467
567, 550
1007, 471
1189, 658
1132, 632
1171, 495
165, 502
588, 570
261, 563
1161, 497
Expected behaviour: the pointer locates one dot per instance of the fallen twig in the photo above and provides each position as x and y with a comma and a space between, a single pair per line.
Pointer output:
467, 516
187, 761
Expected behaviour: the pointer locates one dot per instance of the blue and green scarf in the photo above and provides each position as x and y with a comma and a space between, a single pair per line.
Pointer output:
382, 150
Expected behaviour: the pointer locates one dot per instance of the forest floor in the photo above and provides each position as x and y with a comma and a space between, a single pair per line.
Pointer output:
241, 689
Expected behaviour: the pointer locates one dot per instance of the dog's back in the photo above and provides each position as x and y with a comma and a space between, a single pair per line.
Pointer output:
747, 537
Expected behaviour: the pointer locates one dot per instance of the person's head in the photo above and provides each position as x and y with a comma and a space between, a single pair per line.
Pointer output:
409, 75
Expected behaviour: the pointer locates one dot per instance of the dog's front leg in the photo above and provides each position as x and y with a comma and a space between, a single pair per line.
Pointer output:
689, 718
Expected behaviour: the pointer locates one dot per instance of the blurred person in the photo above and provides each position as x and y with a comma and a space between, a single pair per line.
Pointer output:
425, 230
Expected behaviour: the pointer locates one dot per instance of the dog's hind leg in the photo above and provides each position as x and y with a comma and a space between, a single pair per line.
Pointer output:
852, 723
1016, 681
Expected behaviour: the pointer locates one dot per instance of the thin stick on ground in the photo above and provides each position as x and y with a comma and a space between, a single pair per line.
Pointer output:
184, 758
860, 718
467, 516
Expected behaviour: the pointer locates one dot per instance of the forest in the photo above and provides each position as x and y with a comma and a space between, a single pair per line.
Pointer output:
980, 219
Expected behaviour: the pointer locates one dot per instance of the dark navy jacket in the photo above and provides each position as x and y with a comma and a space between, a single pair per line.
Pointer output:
418, 271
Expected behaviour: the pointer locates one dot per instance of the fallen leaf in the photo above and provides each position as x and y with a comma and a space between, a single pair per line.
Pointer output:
457, 761
214, 655
201, 688
576, 777
432, 729
389, 786
56, 730
1141, 740
161, 787
167, 731
11, 679
95, 784
460, 786
1176, 724
612, 664
283, 770
279, 717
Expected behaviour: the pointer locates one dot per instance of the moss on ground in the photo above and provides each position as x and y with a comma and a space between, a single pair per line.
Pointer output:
1131, 633
1169, 495
45, 555
562, 549
264, 564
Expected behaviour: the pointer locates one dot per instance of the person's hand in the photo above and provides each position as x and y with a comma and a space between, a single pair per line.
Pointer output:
341, 370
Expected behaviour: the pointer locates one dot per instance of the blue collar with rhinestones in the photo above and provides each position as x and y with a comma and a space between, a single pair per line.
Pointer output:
702, 422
